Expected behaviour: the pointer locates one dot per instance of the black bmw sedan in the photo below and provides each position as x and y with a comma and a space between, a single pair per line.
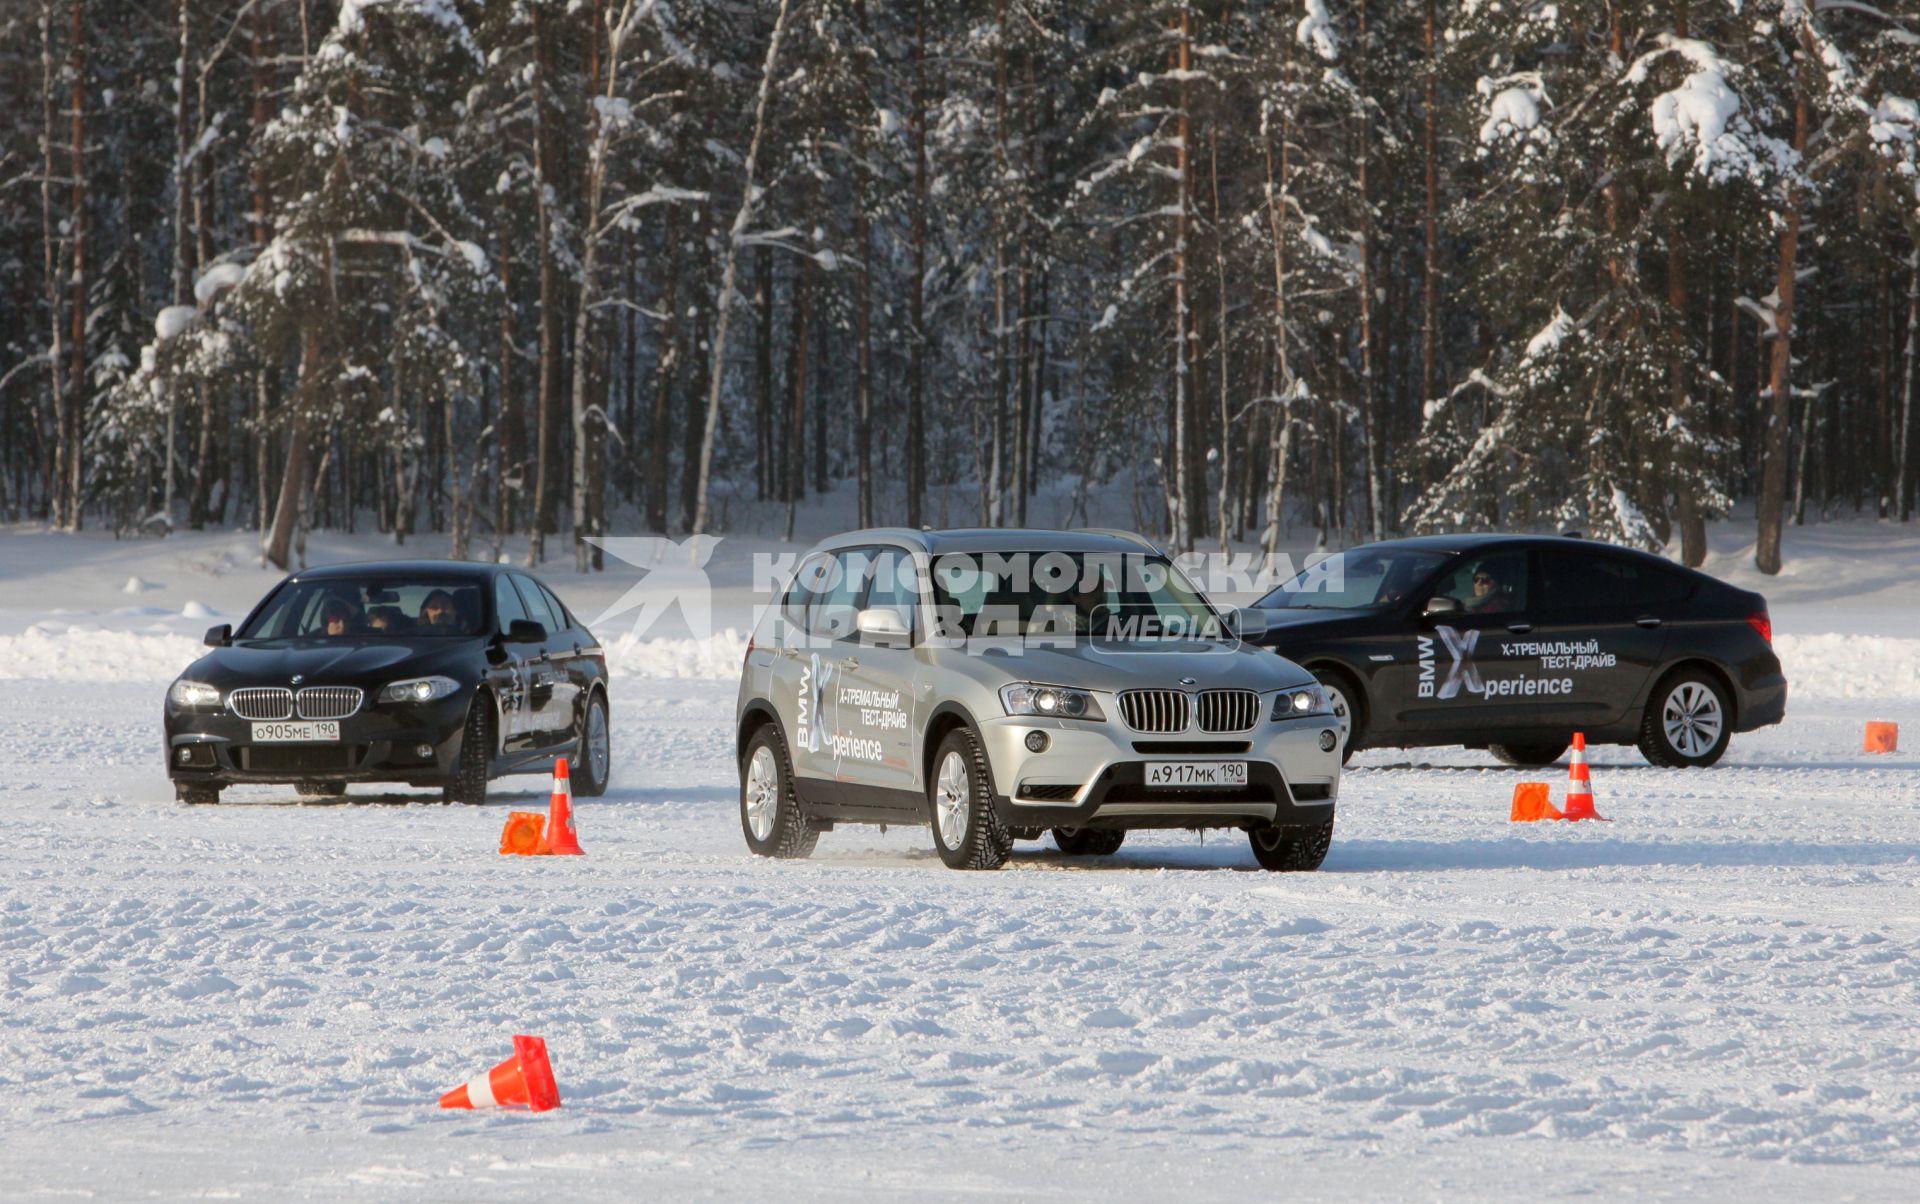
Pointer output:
431, 673
1513, 643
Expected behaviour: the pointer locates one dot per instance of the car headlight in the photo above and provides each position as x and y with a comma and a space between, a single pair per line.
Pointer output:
1301, 701
193, 695
418, 689
1049, 702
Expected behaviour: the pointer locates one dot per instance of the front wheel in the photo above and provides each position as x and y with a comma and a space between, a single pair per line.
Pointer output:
1294, 850
469, 784
1089, 842
770, 815
966, 830
1687, 723
595, 756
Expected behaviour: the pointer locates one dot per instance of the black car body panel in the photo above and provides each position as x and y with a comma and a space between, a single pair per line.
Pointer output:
1577, 642
537, 690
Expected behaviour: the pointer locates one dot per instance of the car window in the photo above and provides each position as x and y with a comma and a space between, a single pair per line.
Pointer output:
507, 606
831, 611
564, 619
807, 581
1487, 583
536, 601
370, 607
895, 585
1588, 580
1367, 577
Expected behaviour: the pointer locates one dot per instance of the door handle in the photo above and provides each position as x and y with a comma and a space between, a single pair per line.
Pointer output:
852, 662
1647, 621
1519, 628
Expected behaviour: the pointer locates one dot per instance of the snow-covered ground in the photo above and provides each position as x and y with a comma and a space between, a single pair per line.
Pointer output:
1717, 993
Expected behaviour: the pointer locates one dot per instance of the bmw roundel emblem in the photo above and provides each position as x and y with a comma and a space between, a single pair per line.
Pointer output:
298, 678
1189, 681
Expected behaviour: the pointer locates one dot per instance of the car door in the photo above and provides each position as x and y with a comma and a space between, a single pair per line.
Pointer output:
831, 639
510, 671
789, 687
1603, 629
1469, 677
568, 652
547, 722
876, 699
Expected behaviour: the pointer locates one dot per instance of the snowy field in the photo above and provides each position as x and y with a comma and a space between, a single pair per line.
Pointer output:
1718, 993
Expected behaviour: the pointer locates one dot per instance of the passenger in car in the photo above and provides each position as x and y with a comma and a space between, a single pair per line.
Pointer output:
337, 618
1489, 592
437, 613
388, 620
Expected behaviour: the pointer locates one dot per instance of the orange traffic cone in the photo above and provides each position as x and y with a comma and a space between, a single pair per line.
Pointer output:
561, 836
1580, 783
1533, 801
1883, 737
524, 834
523, 1081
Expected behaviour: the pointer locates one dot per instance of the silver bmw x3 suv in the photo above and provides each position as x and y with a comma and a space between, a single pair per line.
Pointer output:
995, 684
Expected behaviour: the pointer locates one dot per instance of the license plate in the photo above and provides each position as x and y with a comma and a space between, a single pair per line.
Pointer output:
317, 732
1197, 773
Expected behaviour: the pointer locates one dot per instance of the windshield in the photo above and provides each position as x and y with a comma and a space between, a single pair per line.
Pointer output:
1099, 595
1375, 577
371, 607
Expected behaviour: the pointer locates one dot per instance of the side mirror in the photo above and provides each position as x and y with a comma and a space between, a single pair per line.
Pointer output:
526, 631
881, 626
219, 637
1440, 606
1248, 622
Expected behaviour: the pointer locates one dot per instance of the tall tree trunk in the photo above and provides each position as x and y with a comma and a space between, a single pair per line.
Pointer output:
1903, 478
797, 348
1430, 216
766, 468
1179, 523
512, 443
916, 473
547, 432
279, 542
749, 200
54, 259
1369, 386
660, 426
73, 421
1774, 467
260, 92
1280, 423
862, 293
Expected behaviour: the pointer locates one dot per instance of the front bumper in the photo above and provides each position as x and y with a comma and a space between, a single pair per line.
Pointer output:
378, 743
1092, 775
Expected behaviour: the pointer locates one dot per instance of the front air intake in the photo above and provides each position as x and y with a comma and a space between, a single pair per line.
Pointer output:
1164, 711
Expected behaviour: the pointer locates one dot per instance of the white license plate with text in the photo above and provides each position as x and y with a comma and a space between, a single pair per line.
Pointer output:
317, 732
1197, 773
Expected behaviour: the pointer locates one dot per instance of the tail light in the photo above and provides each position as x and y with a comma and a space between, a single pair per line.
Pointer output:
1763, 624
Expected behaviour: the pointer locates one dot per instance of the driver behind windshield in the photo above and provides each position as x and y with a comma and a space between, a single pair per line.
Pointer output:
337, 618
438, 616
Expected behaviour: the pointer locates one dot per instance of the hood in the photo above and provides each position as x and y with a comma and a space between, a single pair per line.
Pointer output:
325, 661
1115, 667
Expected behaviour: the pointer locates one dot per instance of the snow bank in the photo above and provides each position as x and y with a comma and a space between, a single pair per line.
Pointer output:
717, 657
1865, 668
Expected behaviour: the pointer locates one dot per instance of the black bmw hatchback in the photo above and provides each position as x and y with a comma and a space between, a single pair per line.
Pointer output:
1513, 643
431, 673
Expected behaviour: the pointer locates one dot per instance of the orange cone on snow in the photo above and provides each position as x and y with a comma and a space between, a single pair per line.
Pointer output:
1533, 801
1580, 783
524, 834
561, 836
1883, 737
523, 1081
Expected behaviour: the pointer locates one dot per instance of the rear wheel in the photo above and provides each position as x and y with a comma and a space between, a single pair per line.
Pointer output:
595, 757
321, 789
469, 784
1089, 842
1528, 756
1687, 723
197, 796
1291, 849
966, 831
770, 815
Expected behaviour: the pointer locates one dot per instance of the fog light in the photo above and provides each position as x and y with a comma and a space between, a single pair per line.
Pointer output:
1037, 742
423, 751
1328, 739
186, 756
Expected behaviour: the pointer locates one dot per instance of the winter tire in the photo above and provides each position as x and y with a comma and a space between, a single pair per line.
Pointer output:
1349, 707
1687, 723
593, 763
1089, 842
966, 829
320, 789
469, 783
1528, 756
197, 796
770, 815
1291, 849
1026, 833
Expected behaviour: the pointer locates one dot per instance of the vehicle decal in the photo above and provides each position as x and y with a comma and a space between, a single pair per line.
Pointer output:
1463, 673
1563, 654
1464, 677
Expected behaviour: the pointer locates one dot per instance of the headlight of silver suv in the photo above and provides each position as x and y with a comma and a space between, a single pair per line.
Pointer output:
1300, 702
418, 689
193, 695
1049, 702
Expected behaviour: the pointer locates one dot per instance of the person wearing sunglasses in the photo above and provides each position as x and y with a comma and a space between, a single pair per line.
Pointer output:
1490, 596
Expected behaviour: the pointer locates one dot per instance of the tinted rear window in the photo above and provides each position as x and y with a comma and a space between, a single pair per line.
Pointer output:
1590, 581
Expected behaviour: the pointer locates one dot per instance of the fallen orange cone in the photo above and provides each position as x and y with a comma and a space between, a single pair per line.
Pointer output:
561, 837
524, 834
1533, 801
1883, 737
1580, 783
523, 1081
